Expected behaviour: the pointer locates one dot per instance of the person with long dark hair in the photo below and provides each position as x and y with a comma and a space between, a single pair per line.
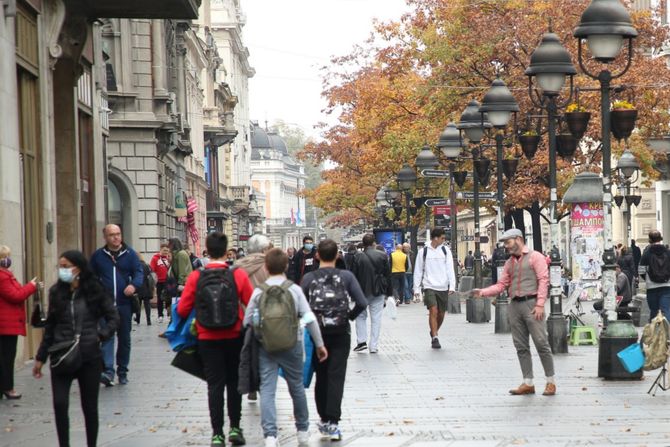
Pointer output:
77, 302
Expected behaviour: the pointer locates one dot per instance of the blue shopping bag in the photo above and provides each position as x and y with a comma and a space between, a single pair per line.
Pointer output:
179, 333
632, 358
308, 366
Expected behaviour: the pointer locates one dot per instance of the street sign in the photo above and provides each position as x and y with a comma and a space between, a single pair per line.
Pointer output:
467, 195
435, 173
437, 202
467, 238
441, 210
484, 239
244, 237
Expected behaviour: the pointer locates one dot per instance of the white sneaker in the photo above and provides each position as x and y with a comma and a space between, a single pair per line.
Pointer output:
160, 319
271, 441
303, 437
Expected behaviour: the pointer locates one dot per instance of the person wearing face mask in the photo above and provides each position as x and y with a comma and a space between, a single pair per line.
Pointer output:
77, 303
304, 261
231, 257
526, 279
12, 320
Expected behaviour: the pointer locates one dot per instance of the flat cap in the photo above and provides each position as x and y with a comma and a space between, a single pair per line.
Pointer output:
511, 234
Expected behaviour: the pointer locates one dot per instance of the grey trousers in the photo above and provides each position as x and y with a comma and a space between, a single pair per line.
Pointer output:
376, 308
523, 323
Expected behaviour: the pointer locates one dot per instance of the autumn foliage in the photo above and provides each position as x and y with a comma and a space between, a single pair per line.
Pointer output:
396, 93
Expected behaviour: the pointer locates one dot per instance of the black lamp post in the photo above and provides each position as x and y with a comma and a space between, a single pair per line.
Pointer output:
474, 126
426, 160
451, 144
406, 180
550, 65
499, 105
606, 25
627, 167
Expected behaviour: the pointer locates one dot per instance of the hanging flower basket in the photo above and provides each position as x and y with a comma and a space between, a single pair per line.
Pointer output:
618, 200
460, 177
623, 122
577, 123
484, 181
566, 145
509, 167
482, 167
633, 200
529, 144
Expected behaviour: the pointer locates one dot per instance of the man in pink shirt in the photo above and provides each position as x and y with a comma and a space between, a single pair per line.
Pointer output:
526, 279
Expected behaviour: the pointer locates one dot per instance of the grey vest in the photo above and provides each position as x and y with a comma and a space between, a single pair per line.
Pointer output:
524, 280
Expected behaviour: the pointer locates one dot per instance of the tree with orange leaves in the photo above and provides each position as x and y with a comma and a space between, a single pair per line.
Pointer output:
399, 92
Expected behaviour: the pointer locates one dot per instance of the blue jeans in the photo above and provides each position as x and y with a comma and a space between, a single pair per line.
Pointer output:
659, 298
409, 286
292, 363
123, 351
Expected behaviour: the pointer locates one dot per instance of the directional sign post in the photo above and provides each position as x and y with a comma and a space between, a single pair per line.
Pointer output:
435, 173
471, 195
437, 202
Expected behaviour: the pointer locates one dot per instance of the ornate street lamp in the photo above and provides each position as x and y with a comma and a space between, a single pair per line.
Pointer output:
606, 25
426, 160
627, 167
474, 123
499, 105
550, 65
406, 180
451, 145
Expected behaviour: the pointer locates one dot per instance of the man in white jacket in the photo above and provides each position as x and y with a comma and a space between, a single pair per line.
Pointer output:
434, 276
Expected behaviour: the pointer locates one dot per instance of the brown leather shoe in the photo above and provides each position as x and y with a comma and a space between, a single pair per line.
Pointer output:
523, 389
549, 390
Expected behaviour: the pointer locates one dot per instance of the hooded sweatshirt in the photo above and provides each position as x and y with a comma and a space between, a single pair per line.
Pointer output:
254, 265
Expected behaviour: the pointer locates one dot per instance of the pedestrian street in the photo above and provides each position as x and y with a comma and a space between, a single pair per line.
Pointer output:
406, 395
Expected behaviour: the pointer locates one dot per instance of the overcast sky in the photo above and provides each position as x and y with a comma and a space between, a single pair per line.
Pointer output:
290, 40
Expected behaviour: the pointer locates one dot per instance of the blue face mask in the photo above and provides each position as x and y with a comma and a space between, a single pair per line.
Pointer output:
309, 247
66, 275
6, 263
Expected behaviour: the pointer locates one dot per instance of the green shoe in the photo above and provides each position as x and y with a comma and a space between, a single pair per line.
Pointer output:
236, 437
218, 441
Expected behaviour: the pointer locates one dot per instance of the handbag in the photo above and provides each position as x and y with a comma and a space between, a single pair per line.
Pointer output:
37, 318
65, 357
134, 303
188, 360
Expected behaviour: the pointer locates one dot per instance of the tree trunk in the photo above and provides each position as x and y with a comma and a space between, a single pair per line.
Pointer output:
517, 215
537, 226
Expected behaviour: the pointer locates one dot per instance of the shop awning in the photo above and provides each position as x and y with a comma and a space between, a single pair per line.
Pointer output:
137, 9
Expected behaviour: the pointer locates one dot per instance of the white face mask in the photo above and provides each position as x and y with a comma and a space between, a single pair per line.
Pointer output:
66, 274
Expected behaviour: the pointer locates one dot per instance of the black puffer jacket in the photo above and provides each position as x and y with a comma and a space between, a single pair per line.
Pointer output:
90, 305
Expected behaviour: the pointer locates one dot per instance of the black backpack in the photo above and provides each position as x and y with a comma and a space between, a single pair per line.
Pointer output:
659, 267
216, 300
329, 300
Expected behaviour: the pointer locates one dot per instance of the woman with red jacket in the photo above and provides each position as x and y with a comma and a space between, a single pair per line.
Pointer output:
220, 348
160, 265
12, 320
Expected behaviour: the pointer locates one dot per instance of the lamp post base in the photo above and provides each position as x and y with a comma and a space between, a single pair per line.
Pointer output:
478, 310
558, 334
616, 337
502, 319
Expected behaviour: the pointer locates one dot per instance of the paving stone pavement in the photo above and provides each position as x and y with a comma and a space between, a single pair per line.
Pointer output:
406, 395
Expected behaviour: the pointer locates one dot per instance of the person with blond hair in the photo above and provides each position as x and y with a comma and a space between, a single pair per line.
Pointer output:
12, 320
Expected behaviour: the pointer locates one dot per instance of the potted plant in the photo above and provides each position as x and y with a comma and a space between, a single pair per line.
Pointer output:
509, 165
529, 141
460, 177
482, 166
577, 119
622, 118
566, 145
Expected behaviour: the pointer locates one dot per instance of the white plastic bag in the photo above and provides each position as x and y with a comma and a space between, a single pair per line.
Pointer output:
391, 310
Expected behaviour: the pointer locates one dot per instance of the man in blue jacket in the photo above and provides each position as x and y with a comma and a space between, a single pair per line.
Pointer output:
119, 269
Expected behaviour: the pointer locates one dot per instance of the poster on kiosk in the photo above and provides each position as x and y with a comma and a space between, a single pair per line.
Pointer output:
388, 238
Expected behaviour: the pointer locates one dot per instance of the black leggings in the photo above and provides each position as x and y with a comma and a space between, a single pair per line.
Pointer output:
7, 357
221, 359
89, 386
162, 301
147, 309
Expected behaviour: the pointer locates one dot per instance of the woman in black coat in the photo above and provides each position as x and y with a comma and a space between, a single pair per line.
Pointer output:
77, 302
627, 264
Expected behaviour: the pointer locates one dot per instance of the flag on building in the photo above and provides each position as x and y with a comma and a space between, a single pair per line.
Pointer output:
292, 217
298, 219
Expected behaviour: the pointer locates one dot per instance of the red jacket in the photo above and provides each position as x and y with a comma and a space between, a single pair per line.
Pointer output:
160, 267
12, 303
187, 301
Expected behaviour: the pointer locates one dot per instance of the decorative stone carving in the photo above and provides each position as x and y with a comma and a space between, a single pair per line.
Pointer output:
54, 13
